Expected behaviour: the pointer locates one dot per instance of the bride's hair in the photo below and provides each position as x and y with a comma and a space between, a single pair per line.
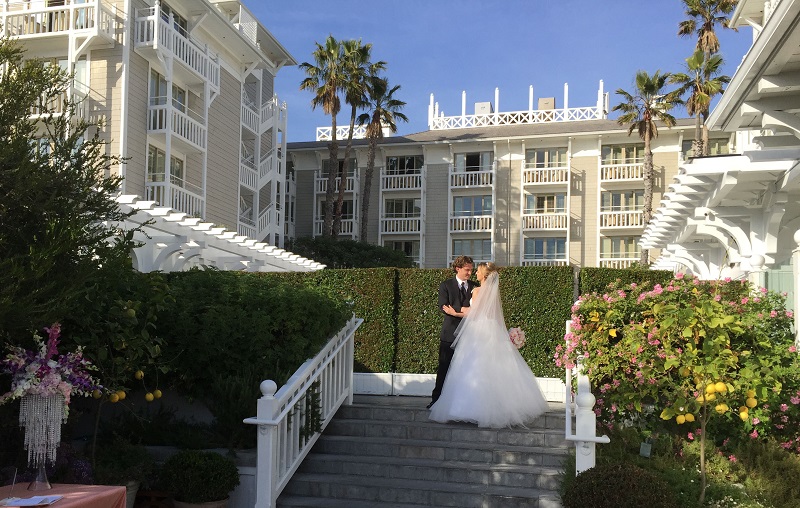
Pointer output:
488, 266
487, 304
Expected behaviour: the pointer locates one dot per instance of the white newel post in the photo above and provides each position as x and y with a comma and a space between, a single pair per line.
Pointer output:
267, 448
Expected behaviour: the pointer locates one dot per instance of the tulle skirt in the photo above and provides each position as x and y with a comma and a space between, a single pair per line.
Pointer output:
488, 382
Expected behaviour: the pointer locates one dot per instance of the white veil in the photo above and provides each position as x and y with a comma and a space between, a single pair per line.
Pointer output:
486, 306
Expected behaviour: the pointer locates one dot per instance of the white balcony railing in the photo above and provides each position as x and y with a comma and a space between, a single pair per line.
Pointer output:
401, 182
182, 125
246, 228
617, 262
622, 219
188, 199
24, 19
324, 133
463, 179
545, 175
545, 221
348, 227
283, 414
545, 262
401, 225
153, 31
322, 184
250, 118
620, 172
474, 223
516, 117
248, 177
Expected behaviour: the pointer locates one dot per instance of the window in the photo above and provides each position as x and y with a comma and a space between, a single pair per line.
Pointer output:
178, 21
404, 164
158, 92
347, 209
156, 167
546, 157
717, 146
468, 206
351, 171
626, 247
409, 247
474, 161
545, 203
399, 208
622, 201
622, 154
545, 248
475, 248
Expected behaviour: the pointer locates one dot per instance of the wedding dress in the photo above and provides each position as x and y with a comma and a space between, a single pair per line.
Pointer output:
488, 383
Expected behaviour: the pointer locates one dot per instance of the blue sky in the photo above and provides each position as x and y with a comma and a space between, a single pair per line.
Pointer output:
446, 46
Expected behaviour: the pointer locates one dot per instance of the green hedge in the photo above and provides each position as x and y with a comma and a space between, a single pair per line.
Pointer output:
596, 280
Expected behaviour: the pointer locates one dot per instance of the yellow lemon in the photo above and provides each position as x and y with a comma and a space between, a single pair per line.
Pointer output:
680, 419
685, 371
139, 374
711, 388
743, 409
720, 387
113, 397
689, 417
121, 395
149, 397
751, 393
744, 416
157, 393
751, 402
721, 408
97, 393
700, 399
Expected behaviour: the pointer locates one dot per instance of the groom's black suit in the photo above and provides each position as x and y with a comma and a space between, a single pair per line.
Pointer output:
449, 294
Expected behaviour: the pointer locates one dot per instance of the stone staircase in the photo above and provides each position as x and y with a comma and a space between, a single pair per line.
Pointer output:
384, 452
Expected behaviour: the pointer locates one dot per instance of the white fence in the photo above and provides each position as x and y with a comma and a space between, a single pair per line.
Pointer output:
322, 384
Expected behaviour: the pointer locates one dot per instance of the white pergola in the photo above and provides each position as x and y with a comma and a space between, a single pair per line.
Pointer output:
173, 241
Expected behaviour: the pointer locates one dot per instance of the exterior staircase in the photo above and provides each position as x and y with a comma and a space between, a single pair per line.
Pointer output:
384, 452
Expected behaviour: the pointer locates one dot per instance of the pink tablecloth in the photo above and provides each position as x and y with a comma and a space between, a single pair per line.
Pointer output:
75, 496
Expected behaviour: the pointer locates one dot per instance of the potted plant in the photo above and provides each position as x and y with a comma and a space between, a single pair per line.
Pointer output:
197, 478
120, 462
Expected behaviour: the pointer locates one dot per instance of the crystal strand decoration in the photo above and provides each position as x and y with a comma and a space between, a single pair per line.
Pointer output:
42, 417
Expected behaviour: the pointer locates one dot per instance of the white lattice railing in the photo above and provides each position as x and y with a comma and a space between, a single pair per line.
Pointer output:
545, 221
22, 18
622, 219
475, 223
461, 179
322, 384
324, 133
401, 225
545, 175
516, 117
181, 124
190, 202
401, 182
152, 30
545, 262
614, 172
617, 262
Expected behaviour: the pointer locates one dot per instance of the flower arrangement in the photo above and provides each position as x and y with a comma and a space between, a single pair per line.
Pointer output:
44, 372
517, 337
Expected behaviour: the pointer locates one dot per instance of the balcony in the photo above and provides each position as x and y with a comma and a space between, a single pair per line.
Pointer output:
536, 176
401, 225
469, 179
622, 219
545, 221
169, 120
477, 223
153, 33
321, 184
412, 181
180, 195
627, 172
545, 262
617, 262
29, 20
348, 227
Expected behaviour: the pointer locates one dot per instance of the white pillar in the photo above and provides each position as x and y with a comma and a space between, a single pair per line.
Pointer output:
530, 98
600, 101
463, 103
497, 100
431, 114
267, 451
796, 285
566, 95
585, 425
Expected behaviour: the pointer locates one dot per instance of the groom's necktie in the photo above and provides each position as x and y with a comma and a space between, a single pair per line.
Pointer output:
464, 292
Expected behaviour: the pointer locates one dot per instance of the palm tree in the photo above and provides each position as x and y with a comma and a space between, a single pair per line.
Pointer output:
704, 15
326, 78
358, 70
383, 111
641, 110
702, 83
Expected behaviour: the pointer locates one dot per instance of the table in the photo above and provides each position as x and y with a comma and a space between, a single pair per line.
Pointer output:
75, 496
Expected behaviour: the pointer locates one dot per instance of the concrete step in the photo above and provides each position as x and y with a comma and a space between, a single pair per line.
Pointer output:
393, 492
511, 475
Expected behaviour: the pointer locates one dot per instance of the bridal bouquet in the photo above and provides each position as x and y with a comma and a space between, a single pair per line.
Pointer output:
517, 337
44, 372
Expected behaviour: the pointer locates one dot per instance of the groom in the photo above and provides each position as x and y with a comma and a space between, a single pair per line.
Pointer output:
455, 292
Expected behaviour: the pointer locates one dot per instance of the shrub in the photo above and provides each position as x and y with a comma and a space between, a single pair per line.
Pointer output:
618, 486
194, 476
119, 462
341, 253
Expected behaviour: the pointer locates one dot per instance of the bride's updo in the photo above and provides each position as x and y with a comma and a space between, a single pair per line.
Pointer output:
488, 267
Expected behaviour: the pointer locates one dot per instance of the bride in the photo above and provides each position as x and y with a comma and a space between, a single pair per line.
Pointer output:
488, 383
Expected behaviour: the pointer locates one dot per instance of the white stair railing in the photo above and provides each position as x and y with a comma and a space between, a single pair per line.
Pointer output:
281, 416
585, 436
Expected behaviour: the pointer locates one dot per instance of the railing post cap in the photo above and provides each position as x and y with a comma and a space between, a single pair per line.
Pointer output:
268, 388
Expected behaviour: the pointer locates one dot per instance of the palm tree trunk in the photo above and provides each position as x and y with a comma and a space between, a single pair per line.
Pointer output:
333, 170
698, 144
647, 210
705, 136
337, 216
373, 142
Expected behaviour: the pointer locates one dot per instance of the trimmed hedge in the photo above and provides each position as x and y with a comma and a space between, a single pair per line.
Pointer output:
596, 280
